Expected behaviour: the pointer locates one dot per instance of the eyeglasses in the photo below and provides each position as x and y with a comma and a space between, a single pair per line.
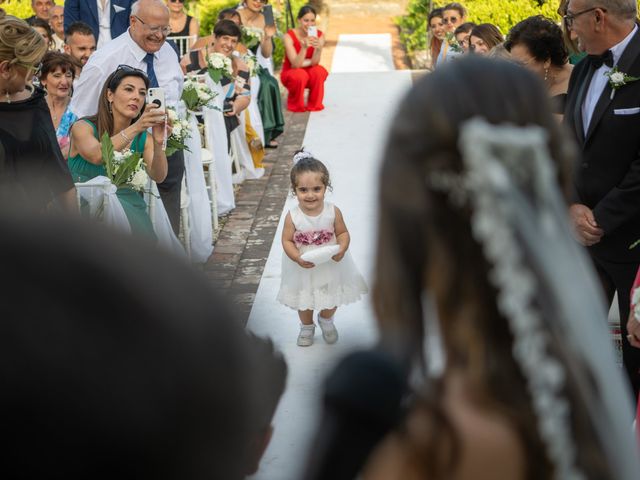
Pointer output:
451, 20
570, 17
157, 29
177, 1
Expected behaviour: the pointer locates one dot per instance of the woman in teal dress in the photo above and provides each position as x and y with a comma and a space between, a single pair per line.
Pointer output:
122, 114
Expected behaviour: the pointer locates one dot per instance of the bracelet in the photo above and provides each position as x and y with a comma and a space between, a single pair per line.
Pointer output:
123, 135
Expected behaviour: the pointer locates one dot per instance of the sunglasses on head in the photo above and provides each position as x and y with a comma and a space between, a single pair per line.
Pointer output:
123, 70
177, 1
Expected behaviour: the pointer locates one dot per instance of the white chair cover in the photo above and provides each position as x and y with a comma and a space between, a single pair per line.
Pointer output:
100, 193
239, 140
265, 62
216, 135
199, 206
254, 109
160, 221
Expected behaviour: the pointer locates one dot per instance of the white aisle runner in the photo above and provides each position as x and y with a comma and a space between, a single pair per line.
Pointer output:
348, 136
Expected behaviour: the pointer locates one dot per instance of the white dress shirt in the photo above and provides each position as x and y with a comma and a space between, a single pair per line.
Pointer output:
104, 17
599, 81
123, 50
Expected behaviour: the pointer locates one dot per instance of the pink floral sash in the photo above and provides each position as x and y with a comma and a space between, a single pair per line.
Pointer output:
313, 237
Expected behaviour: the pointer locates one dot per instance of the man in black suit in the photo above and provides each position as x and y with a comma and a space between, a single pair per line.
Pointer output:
606, 124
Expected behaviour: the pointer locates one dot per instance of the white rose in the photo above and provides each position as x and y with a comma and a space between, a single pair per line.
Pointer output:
177, 130
617, 77
173, 116
139, 179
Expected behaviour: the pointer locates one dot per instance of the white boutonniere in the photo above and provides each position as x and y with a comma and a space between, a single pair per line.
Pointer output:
618, 79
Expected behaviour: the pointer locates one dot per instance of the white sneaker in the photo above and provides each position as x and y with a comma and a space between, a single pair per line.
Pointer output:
329, 332
305, 337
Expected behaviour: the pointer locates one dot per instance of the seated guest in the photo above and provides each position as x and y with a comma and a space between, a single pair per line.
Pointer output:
182, 25
33, 173
301, 68
40, 10
436, 31
43, 28
453, 15
122, 114
107, 19
56, 77
268, 95
80, 43
462, 34
537, 44
484, 37
56, 22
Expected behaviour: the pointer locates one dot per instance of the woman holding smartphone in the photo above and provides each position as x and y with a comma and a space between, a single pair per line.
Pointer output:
301, 69
122, 114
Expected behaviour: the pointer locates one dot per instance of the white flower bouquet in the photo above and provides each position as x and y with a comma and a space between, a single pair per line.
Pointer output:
196, 95
218, 66
179, 133
251, 36
252, 62
125, 168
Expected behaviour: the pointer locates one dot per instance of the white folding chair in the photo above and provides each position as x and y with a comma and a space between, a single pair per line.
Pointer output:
184, 217
99, 197
184, 43
209, 165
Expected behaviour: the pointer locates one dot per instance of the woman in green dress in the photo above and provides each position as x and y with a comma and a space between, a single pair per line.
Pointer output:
122, 114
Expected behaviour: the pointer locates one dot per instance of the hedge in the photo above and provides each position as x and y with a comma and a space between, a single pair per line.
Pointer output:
19, 8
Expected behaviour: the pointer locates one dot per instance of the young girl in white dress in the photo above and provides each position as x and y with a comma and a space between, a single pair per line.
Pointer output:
314, 229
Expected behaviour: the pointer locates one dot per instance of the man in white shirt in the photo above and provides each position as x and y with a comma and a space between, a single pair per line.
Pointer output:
144, 47
604, 117
56, 21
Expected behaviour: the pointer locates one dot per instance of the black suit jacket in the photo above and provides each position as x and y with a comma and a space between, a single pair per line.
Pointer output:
607, 178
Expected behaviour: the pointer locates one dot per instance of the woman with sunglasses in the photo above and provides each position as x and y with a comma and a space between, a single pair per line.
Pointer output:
33, 173
269, 100
122, 114
182, 25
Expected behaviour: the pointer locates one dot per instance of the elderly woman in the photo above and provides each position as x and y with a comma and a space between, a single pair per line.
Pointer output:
33, 172
123, 116
301, 68
56, 77
484, 37
537, 43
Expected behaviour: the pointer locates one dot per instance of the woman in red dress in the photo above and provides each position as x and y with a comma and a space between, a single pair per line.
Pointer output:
301, 69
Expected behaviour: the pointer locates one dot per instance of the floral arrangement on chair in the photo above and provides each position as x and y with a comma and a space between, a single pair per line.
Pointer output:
251, 36
252, 63
218, 66
125, 168
179, 133
197, 95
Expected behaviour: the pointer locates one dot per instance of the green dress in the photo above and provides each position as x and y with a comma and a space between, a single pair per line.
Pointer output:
132, 202
269, 103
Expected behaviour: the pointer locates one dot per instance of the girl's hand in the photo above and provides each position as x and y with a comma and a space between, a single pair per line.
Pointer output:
158, 132
304, 43
314, 42
338, 256
304, 263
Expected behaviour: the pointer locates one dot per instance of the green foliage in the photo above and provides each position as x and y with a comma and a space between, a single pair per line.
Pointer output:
504, 14
18, 8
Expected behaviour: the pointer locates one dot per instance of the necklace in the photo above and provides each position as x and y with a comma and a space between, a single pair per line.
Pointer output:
54, 113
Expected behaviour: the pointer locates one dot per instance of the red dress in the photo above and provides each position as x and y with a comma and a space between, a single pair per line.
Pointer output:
297, 79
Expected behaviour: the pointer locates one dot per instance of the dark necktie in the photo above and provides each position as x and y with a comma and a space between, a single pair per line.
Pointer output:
598, 60
151, 73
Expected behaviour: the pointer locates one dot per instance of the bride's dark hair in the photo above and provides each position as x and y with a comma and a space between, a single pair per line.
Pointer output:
425, 244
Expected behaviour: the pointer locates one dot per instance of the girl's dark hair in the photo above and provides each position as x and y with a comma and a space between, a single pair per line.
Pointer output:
309, 164
542, 37
465, 28
103, 119
306, 9
228, 28
457, 7
54, 60
488, 33
38, 22
426, 245
435, 13
227, 13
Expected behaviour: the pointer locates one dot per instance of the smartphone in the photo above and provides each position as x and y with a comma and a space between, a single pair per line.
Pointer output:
227, 105
267, 11
313, 31
155, 97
